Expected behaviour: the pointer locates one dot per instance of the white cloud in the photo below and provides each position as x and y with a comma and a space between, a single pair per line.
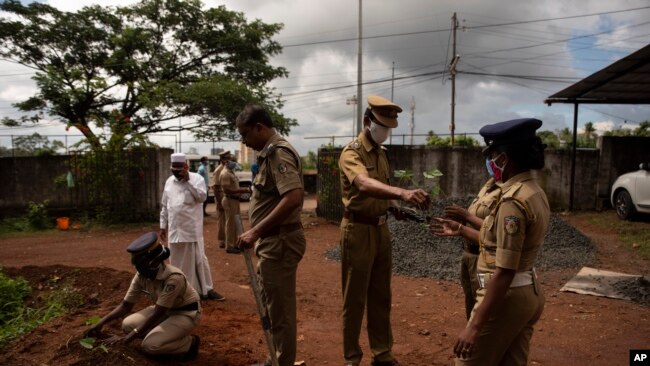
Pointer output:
534, 49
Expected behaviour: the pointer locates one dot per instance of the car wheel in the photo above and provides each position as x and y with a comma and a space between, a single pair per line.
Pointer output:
624, 205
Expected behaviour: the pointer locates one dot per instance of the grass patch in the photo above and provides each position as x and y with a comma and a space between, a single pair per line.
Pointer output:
634, 234
17, 319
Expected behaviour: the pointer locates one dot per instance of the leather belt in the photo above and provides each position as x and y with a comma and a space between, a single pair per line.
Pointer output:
232, 196
472, 248
282, 229
520, 279
363, 219
189, 307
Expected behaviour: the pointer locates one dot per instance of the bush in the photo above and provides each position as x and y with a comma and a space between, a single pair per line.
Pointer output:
37, 216
12, 293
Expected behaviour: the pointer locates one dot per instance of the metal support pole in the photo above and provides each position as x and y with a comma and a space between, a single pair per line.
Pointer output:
452, 71
359, 72
573, 155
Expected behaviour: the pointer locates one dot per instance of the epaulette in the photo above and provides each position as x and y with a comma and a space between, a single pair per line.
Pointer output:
353, 145
509, 196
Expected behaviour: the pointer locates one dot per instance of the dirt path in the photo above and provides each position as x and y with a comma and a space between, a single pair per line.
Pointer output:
427, 314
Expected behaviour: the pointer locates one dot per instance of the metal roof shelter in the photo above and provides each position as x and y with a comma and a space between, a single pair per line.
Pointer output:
626, 81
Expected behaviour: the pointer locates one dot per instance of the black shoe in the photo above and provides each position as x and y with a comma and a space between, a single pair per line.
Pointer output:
214, 295
384, 363
193, 352
206, 214
232, 250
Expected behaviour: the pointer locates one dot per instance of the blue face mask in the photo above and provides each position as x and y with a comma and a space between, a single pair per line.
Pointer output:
232, 165
489, 168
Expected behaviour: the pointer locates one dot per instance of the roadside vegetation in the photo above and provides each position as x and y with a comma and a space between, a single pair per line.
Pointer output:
17, 318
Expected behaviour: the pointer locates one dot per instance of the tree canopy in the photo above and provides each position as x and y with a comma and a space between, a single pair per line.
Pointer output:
119, 73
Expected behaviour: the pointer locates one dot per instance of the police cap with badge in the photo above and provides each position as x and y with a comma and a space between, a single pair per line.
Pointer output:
516, 131
146, 248
224, 155
384, 112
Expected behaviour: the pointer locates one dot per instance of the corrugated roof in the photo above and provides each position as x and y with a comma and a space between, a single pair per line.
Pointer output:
626, 81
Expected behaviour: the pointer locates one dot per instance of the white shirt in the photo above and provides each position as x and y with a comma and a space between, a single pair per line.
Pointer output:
182, 209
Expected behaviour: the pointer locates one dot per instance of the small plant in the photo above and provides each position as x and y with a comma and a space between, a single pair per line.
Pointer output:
434, 174
405, 177
37, 215
92, 320
89, 343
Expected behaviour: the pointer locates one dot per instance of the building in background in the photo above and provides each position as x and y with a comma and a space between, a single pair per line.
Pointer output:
245, 154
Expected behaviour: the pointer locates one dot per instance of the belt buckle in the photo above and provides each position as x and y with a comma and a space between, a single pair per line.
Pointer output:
382, 220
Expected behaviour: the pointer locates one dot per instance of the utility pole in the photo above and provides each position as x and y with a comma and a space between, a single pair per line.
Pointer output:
359, 71
180, 140
412, 123
392, 83
452, 72
352, 101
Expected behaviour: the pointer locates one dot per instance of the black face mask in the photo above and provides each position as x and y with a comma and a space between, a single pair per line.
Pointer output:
145, 271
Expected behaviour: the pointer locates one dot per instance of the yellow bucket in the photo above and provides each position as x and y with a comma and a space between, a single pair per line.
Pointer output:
62, 223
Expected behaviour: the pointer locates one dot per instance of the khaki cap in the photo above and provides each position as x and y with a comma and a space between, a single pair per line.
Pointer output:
384, 111
224, 154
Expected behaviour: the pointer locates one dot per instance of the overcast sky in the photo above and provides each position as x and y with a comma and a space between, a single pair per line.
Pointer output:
415, 36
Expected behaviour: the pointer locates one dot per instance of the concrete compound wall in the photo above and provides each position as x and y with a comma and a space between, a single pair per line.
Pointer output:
41, 178
464, 169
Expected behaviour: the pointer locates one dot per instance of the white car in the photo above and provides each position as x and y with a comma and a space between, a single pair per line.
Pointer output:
631, 193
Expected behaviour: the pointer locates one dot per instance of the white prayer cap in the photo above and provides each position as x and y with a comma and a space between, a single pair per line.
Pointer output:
178, 158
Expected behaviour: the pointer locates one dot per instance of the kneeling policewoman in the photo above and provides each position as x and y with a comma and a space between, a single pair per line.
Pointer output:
166, 326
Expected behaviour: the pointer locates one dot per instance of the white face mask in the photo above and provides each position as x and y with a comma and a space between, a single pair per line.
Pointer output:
378, 132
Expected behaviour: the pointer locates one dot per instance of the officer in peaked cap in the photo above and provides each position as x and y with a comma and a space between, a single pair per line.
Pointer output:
384, 111
224, 157
166, 326
516, 131
510, 239
365, 239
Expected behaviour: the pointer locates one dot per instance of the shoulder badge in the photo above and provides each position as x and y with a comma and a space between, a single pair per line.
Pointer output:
270, 149
511, 224
356, 145
282, 168
170, 288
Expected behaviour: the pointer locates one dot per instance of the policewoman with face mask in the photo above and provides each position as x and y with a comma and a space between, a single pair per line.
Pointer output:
165, 327
510, 300
470, 218
366, 256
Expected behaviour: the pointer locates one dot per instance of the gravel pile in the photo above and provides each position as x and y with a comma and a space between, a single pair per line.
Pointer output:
636, 288
417, 253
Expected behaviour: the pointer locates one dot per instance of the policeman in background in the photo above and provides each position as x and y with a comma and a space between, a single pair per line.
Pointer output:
230, 202
166, 326
276, 229
224, 158
203, 172
366, 253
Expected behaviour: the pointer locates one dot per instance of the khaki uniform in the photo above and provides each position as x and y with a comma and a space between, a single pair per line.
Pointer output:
221, 217
169, 289
366, 254
481, 206
230, 204
279, 252
511, 237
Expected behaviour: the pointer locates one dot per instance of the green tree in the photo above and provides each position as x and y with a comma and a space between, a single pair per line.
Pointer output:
35, 144
435, 140
643, 129
590, 131
119, 73
309, 161
459, 140
550, 139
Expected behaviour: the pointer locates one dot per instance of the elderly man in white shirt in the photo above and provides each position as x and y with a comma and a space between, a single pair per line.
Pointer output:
182, 216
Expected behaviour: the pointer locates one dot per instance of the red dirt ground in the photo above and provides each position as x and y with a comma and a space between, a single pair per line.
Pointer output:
427, 314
